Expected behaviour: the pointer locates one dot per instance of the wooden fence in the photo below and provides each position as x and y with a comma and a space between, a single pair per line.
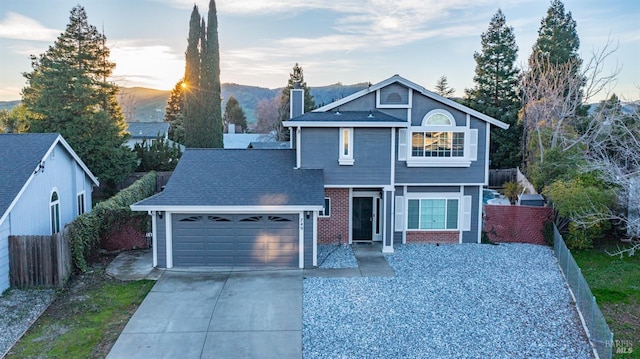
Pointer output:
497, 178
39, 261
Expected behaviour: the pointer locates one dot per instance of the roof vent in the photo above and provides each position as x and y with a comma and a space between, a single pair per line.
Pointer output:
338, 112
371, 115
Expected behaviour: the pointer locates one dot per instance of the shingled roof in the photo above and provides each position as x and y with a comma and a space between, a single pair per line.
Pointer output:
148, 129
21, 154
238, 177
352, 117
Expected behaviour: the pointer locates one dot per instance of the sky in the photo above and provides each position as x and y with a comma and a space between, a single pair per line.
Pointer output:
346, 41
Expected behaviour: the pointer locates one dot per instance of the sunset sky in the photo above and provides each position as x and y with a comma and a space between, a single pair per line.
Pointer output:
346, 41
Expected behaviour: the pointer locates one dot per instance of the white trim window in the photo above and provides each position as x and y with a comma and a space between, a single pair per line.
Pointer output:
81, 203
438, 142
346, 147
326, 211
438, 214
54, 210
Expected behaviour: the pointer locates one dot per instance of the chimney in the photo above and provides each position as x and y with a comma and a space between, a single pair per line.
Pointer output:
296, 104
231, 128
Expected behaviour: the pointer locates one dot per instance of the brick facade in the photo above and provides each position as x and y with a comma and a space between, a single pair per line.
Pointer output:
335, 229
521, 224
440, 237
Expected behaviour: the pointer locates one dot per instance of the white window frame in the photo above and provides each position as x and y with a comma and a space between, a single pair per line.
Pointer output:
346, 148
435, 196
326, 211
81, 203
54, 211
405, 152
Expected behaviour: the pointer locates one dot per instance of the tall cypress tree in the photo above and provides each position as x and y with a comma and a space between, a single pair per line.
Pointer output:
192, 106
496, 90
67, 92
211, 80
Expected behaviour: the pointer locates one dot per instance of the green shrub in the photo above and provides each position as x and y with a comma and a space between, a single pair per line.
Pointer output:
512, 190
87, 228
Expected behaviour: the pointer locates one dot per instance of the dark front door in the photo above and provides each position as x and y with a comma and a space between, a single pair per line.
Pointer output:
362, 218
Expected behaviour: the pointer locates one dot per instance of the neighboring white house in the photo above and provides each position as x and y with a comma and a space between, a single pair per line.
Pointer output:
43, 186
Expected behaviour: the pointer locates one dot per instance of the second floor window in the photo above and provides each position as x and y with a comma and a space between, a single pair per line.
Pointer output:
437, 144
346, 147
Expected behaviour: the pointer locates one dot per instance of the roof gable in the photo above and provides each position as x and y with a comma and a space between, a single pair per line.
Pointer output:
415, 87
21, 154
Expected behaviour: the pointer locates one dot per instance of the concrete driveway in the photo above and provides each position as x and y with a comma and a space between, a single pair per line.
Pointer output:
254, 314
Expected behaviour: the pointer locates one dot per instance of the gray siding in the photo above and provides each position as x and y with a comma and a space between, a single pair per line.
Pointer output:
422, 105
161, 241
388, 228
308, 242
472, 235
394, 94
473, 174
364, 103
372, 156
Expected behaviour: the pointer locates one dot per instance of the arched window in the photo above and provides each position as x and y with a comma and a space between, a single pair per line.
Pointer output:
438, 118
54, 206
394, 97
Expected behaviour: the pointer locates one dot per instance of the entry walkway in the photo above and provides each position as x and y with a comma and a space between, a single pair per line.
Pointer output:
371, 263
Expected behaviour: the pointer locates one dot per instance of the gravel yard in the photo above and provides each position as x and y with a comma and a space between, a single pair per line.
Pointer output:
18, 309
464, 301
336, 256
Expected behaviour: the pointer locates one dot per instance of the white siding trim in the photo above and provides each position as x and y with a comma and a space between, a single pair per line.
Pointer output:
315, 239
301, 240
154, 238
487, 144
333, 124
404, 232
346, 159
298, 148
169, 240
433, 184
480, 222
386, 202
225, 209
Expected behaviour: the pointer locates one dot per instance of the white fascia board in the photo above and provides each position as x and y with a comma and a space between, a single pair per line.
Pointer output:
441, 184
224, 209
416, 87
344, 124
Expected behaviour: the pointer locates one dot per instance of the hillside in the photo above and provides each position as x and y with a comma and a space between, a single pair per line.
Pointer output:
144, 105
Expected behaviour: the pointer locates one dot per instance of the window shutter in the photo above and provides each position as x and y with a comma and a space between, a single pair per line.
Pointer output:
466, 213
402, 144
399, 217
473, 145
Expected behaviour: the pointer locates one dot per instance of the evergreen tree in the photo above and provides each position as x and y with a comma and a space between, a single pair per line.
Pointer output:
67, 92
211, 80
203, 110
173, 113
496, 90
558, 40
14, 121
157, 155
234, 114
296, 80
191, 90
442, 87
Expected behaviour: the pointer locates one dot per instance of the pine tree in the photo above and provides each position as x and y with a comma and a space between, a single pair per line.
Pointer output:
67, 92
296, 78
496, 90
173, 113
234, 114
442, 87
558, 40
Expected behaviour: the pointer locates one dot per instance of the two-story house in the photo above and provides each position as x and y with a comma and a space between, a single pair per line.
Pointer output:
393, 163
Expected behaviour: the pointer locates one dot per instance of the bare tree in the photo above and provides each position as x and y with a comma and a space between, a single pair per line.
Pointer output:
553, 95
614, 153
268, 112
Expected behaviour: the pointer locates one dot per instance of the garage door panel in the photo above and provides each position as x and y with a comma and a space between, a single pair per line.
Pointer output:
235, 239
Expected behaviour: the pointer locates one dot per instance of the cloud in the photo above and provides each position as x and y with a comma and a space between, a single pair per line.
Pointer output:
19, 27
141, 63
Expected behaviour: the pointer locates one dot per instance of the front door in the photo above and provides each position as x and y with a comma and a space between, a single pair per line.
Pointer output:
362, 218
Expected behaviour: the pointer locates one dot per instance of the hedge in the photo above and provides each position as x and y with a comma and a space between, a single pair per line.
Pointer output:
87, 229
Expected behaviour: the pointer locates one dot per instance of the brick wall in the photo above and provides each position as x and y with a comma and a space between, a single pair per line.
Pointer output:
335, 229
433, 237
521, 224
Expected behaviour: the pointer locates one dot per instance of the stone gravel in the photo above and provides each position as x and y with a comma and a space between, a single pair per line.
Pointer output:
336, 256
462, 301
18, 310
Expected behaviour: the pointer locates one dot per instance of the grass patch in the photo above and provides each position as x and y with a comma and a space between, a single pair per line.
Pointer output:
85, 319
615, 282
